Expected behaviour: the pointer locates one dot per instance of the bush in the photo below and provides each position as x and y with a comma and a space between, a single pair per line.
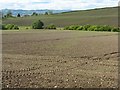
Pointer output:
38, 25
26, 28
93, 28
115, 29
51, 26
15, 27
9, 27
106, 28
3, 27
80, 28
66, 28
85, 27
72, 27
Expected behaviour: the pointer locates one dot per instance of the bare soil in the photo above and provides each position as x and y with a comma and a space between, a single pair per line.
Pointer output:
60, 59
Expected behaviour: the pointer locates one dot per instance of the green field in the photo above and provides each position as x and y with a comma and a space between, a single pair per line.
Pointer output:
105, 16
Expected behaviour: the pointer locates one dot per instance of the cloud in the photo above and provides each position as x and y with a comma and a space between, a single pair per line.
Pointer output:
57, 4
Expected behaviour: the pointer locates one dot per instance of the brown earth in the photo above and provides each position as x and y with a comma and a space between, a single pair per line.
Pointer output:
56, 59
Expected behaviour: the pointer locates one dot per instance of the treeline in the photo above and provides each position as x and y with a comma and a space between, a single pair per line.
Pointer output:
93, 28
9, 14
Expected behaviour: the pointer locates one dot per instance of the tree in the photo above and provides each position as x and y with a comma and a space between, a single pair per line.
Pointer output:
18, 15
9, 14
38, 24
34, 14
46, 13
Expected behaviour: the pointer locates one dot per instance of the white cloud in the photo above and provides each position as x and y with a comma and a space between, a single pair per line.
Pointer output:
56, 4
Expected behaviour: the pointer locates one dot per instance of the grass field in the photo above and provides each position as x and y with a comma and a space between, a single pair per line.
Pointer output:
56, 59
106, 16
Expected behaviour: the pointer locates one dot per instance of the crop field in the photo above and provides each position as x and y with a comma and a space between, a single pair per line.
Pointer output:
60, 59
106, 16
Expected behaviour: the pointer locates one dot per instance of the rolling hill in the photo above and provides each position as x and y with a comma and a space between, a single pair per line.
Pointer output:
101, 16
30, 12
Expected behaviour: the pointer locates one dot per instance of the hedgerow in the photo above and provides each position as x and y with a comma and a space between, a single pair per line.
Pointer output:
9, 27
51, 26
93, 28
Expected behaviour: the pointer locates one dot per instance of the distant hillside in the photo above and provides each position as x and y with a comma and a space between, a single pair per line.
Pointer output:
102, 16
29, 12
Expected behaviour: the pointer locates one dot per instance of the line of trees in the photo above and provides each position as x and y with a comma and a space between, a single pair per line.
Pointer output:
9, 14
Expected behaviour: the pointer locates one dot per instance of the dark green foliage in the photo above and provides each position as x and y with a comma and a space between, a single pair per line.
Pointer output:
51, 26
26, 28
18, 15
86, 27
3, 27
34, 14
93, 28
9, 27
72, 27
15, 27
115, 29
46, 13
38, 25
66, 28
80, 28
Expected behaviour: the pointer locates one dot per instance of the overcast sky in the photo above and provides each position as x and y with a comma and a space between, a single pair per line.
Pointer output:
56, 4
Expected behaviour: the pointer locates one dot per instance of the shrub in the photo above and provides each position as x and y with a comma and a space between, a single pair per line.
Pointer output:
80, 28
34, 14
9, 26
106, 28
51, 26
15, 27
115, 29
26, 28
85, 27
3, 27
73, 27
93, 28
38, 25
66, 28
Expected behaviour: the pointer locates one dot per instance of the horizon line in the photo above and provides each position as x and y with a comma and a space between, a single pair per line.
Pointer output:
62, 9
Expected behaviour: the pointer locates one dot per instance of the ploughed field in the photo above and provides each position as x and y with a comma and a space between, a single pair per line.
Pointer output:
59, 59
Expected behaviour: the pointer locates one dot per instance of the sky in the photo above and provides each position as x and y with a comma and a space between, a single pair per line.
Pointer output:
57, 4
